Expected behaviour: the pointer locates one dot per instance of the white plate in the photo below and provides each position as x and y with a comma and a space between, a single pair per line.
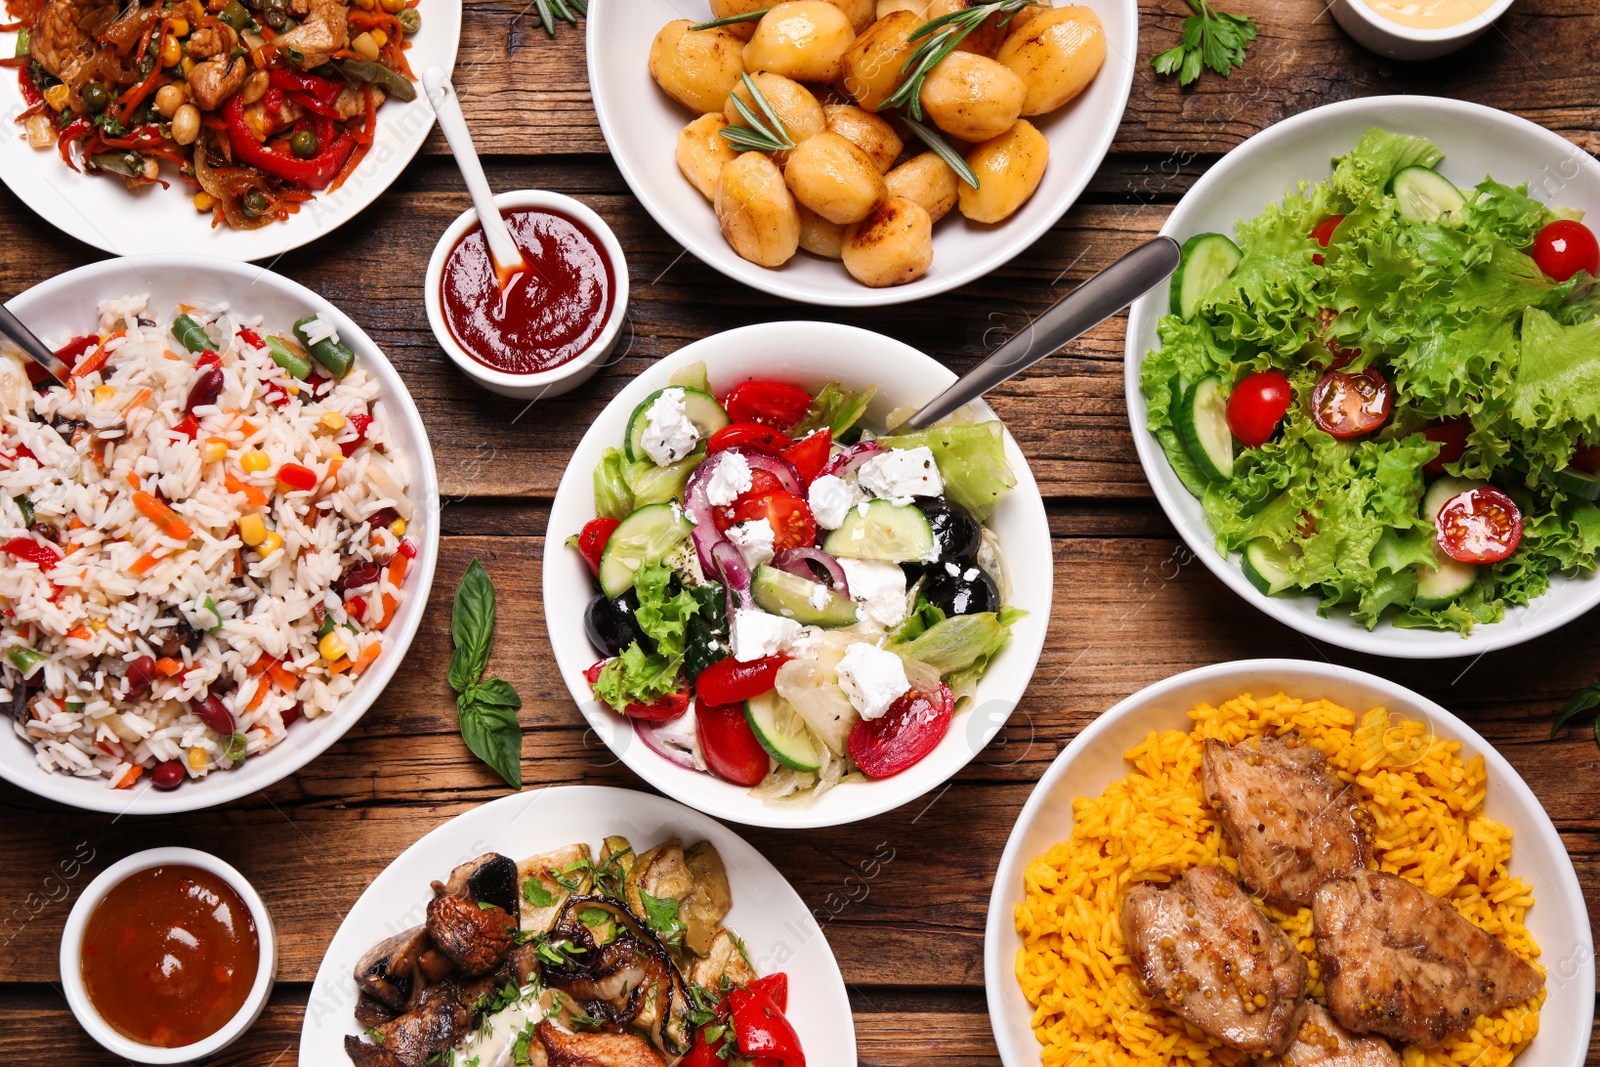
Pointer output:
775, 923
100, 211
641, 125
1477, 141
1559, 921
808, 354
64, 307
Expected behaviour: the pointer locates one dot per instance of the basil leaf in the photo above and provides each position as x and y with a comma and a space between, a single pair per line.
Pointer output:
471, 627
1582, 701
492, 730
495, 693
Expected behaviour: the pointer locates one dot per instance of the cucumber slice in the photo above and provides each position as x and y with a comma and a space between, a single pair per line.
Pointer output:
1445, 490
790, 595
1439, 588
1208, 260
649, 535
1202, 424
782, 732
1425, 195
702, 409
1268, 566
883, 531
1574, 483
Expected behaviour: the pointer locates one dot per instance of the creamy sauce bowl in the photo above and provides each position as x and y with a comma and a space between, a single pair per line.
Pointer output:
1417, 29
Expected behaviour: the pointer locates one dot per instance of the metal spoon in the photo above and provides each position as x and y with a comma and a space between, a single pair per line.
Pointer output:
32, 347
447, 106
1095, 301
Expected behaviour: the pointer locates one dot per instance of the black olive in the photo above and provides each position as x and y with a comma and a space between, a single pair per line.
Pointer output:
956, 533
610, 623
970, 591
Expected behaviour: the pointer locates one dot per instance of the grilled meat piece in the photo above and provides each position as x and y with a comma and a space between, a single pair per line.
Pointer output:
1322, 1042
489, 879
442, 1015
1208, 955
1399, 961
1292, 822
475, 937
364, 1055
325, 31
596, 1050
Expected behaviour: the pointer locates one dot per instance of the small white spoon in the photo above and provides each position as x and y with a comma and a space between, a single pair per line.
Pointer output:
447, 106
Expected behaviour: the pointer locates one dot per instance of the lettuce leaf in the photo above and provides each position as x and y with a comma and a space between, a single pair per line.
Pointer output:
612, 497
1378, 157
641, 675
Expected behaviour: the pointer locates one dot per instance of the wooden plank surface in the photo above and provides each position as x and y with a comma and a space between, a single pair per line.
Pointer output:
1133, 606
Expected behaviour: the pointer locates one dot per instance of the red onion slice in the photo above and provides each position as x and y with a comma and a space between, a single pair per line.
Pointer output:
675, 756
851, 458
735, 576
698, 506
799, 561
778, 467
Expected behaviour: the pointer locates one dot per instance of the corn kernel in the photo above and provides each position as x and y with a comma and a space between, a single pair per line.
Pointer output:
365, 47
254, 461
252, 531
332, 646
204, 201
102, 393
188, 65
270, 543
294, 390
380, 38
398, 527
57, 95
214, 450
179, 27
394, 7
332, 421
97, 624
198, 759
171, 52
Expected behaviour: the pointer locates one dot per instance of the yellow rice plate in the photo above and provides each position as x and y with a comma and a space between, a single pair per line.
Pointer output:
1089, 1007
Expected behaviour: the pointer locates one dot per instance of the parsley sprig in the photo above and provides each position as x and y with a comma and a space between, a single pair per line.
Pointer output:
1212, 39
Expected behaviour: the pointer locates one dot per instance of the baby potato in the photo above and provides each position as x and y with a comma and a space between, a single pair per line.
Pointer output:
926, 180
918, 8
703, 152
986, 39
972, 97
834, 178
792, 102
757, 214
874, 64
861, 13
697, 68
866, 131
1009, 169
1056, 54
802, 39
891, 246
721, 9
819, 236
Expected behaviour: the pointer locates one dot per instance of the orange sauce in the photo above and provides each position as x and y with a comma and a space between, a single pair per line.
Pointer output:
1430, 14
170, 955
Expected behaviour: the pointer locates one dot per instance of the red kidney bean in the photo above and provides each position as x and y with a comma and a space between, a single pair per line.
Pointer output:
141, 674
214, 714
206, 389
357, 578
292, 716
168, 775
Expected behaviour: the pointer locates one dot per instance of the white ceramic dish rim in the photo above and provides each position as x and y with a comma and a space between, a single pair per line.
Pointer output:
1002, 689
72, 952
510, 201
1473, 27
1121, 64
820, 1012
1520, 625
80, 289
1009, 1013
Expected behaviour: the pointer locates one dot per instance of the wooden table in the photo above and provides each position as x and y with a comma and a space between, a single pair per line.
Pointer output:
1132, 607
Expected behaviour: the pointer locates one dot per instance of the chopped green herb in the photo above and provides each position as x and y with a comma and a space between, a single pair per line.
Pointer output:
534, 892
661, 915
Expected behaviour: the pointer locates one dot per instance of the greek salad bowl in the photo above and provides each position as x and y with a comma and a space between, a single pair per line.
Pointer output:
772, 606
1364, 398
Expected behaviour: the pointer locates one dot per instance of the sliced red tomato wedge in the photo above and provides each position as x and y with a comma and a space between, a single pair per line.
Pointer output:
755, 437
1257, 405
775, 404
810, 454
1324, 234
1452, 440
1349, 405
793, 525
729, 745
1479, 526
591, 541
728, 681
911, 728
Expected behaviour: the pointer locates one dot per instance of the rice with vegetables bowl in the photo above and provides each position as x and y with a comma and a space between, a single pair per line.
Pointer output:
203, 538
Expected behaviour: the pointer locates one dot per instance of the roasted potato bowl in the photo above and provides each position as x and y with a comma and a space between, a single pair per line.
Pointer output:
926, 180
1056, 54
703, 152
866, 131
793, 103
698, 69
834, 178
802, 39
874, 63
819, 236
1009, 169
756, 211
891, 246
972, 97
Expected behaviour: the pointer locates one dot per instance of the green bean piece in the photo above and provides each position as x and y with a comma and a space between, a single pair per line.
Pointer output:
391, 82
25, 659
25, 41
410, 20
211, 606
125, 164
336, 357
190, 334
238, 745
25, 506
296, 364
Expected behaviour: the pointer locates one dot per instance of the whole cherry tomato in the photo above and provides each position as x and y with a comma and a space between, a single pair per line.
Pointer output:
728, 681
1479, 526
591, 541
1452, 439
792, 523
749, 435
1349, 405
1324, 234
911, 728
773, 404
729, 745
810, 454
1564, 248
1257, 405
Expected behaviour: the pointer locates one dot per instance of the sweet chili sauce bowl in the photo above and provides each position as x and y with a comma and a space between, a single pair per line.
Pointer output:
573, 372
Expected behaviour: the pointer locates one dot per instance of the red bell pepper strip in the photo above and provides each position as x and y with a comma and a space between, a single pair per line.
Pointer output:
76, 130
360, 423
762, 1029
26, 548
775, 986
313, 105
314, 173
324, 90
297, 477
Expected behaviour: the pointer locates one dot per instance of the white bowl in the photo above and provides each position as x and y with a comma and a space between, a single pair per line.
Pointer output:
641, 125
1389, 38
807, 354
1559, 921
1477, 141
65, 306
777, 927
72, 953
575, 371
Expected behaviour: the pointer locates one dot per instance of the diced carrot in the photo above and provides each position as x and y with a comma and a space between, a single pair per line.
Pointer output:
260, 666
339, 666
248, 427
252, 495
286, 679
79, 633
76, 523
257, 696
364, 660
331, 475
166, 666
96, 359
139, 399
162, 516
133, 480
130, 776
143, 564
397, 577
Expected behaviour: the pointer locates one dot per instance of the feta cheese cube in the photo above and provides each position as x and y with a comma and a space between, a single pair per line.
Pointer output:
756, 635
818, 597
805, 643
872, 678
731, 480
901, 474
830, 499
668, 434
754, 541
880, 590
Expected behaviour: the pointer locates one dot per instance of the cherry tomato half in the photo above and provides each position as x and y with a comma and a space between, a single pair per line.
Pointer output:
1257, 405
748, 435
728, 681
762, 483
911, 728
1479, 526
1452, 439
591, 541
670, 707
792, 523
1324, 233
810, 454
729, 745
1349, 405
1565, 247
773, 404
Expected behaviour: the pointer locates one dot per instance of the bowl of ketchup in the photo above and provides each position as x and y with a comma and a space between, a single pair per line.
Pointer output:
550, 326
168, 956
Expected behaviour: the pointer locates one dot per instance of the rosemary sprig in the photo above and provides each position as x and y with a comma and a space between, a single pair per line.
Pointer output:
732, 20
565, 10
942, 148
940, 37
762, 132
